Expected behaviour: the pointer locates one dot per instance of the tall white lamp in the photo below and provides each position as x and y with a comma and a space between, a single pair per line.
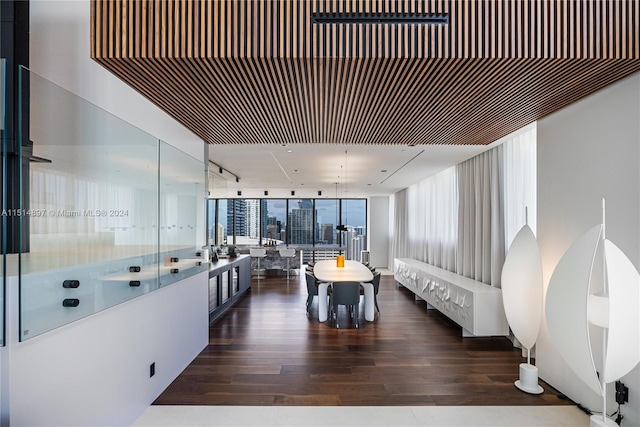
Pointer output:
522, 297
571, 306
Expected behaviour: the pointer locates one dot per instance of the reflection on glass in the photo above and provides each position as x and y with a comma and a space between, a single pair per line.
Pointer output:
224, 285
182, 208
3, 148
213, 293
96, 234
235, 272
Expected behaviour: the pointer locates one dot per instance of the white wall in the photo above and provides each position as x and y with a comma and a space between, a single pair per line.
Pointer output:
587, 151
379, 236
96, 371
59, 51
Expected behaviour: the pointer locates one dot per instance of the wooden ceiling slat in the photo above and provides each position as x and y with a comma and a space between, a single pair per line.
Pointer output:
237, 71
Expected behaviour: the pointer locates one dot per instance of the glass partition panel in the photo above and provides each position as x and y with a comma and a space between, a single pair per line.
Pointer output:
92, 218
93, 210
182, 207
3, 150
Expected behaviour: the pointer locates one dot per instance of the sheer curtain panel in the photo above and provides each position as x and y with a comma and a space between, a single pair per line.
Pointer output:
481, 245
425, 220
520, 183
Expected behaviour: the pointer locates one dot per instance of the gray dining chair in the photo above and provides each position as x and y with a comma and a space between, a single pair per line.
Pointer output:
347, 294
312, 290
376, 285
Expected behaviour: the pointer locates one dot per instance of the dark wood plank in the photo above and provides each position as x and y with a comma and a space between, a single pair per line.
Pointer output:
266, 351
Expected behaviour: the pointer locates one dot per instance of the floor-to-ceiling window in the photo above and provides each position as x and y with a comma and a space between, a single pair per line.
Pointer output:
273, 216
354, 226
334, 225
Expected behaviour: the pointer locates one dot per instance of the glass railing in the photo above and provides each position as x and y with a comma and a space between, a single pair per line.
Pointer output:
113, 213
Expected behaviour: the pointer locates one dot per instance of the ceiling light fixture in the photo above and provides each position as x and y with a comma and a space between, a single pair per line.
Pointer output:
223, 173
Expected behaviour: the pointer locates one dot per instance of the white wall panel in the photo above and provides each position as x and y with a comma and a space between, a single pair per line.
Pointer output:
587, 151
379, 235
59, 51
96, 371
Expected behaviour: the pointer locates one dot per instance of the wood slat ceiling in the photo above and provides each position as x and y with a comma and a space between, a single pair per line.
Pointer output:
261, 71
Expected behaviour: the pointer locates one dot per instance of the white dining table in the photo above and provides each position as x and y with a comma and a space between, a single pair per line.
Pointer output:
327, 272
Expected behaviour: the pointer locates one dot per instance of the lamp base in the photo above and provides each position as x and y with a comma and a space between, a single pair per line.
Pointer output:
528, 381
598, 421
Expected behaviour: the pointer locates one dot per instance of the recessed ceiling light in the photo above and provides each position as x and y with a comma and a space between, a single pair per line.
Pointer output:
289, 151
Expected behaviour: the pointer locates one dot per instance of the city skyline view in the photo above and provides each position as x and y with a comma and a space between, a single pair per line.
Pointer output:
276, 217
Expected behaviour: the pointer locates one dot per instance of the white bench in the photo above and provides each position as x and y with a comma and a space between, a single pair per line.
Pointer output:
475, 306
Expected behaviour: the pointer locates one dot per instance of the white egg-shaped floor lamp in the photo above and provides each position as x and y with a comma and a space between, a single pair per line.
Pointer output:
571, 306
522, 296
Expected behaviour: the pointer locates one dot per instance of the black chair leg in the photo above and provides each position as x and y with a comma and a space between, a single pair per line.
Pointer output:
357, 311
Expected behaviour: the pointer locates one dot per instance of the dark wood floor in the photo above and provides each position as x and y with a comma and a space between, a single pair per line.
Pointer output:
266, 351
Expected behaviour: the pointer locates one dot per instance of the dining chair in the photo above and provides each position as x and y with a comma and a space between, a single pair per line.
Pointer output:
376, 285
312, 290
348, 294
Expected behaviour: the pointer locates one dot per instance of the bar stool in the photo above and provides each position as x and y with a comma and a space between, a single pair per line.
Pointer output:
258, 253
288, 254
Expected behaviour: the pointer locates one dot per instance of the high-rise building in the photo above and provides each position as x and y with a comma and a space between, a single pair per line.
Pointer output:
253, 215
240, 226
356, 245
221, 235
301, 223
326, 233
273, 229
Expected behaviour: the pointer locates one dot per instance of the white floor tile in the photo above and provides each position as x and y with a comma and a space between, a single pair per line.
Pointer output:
340, 416
500, 416
210, 416
369, 416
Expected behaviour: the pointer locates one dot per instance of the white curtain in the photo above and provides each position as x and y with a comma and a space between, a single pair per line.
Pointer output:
425, 225
400, 223
465, 218
481, 244
519, 183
